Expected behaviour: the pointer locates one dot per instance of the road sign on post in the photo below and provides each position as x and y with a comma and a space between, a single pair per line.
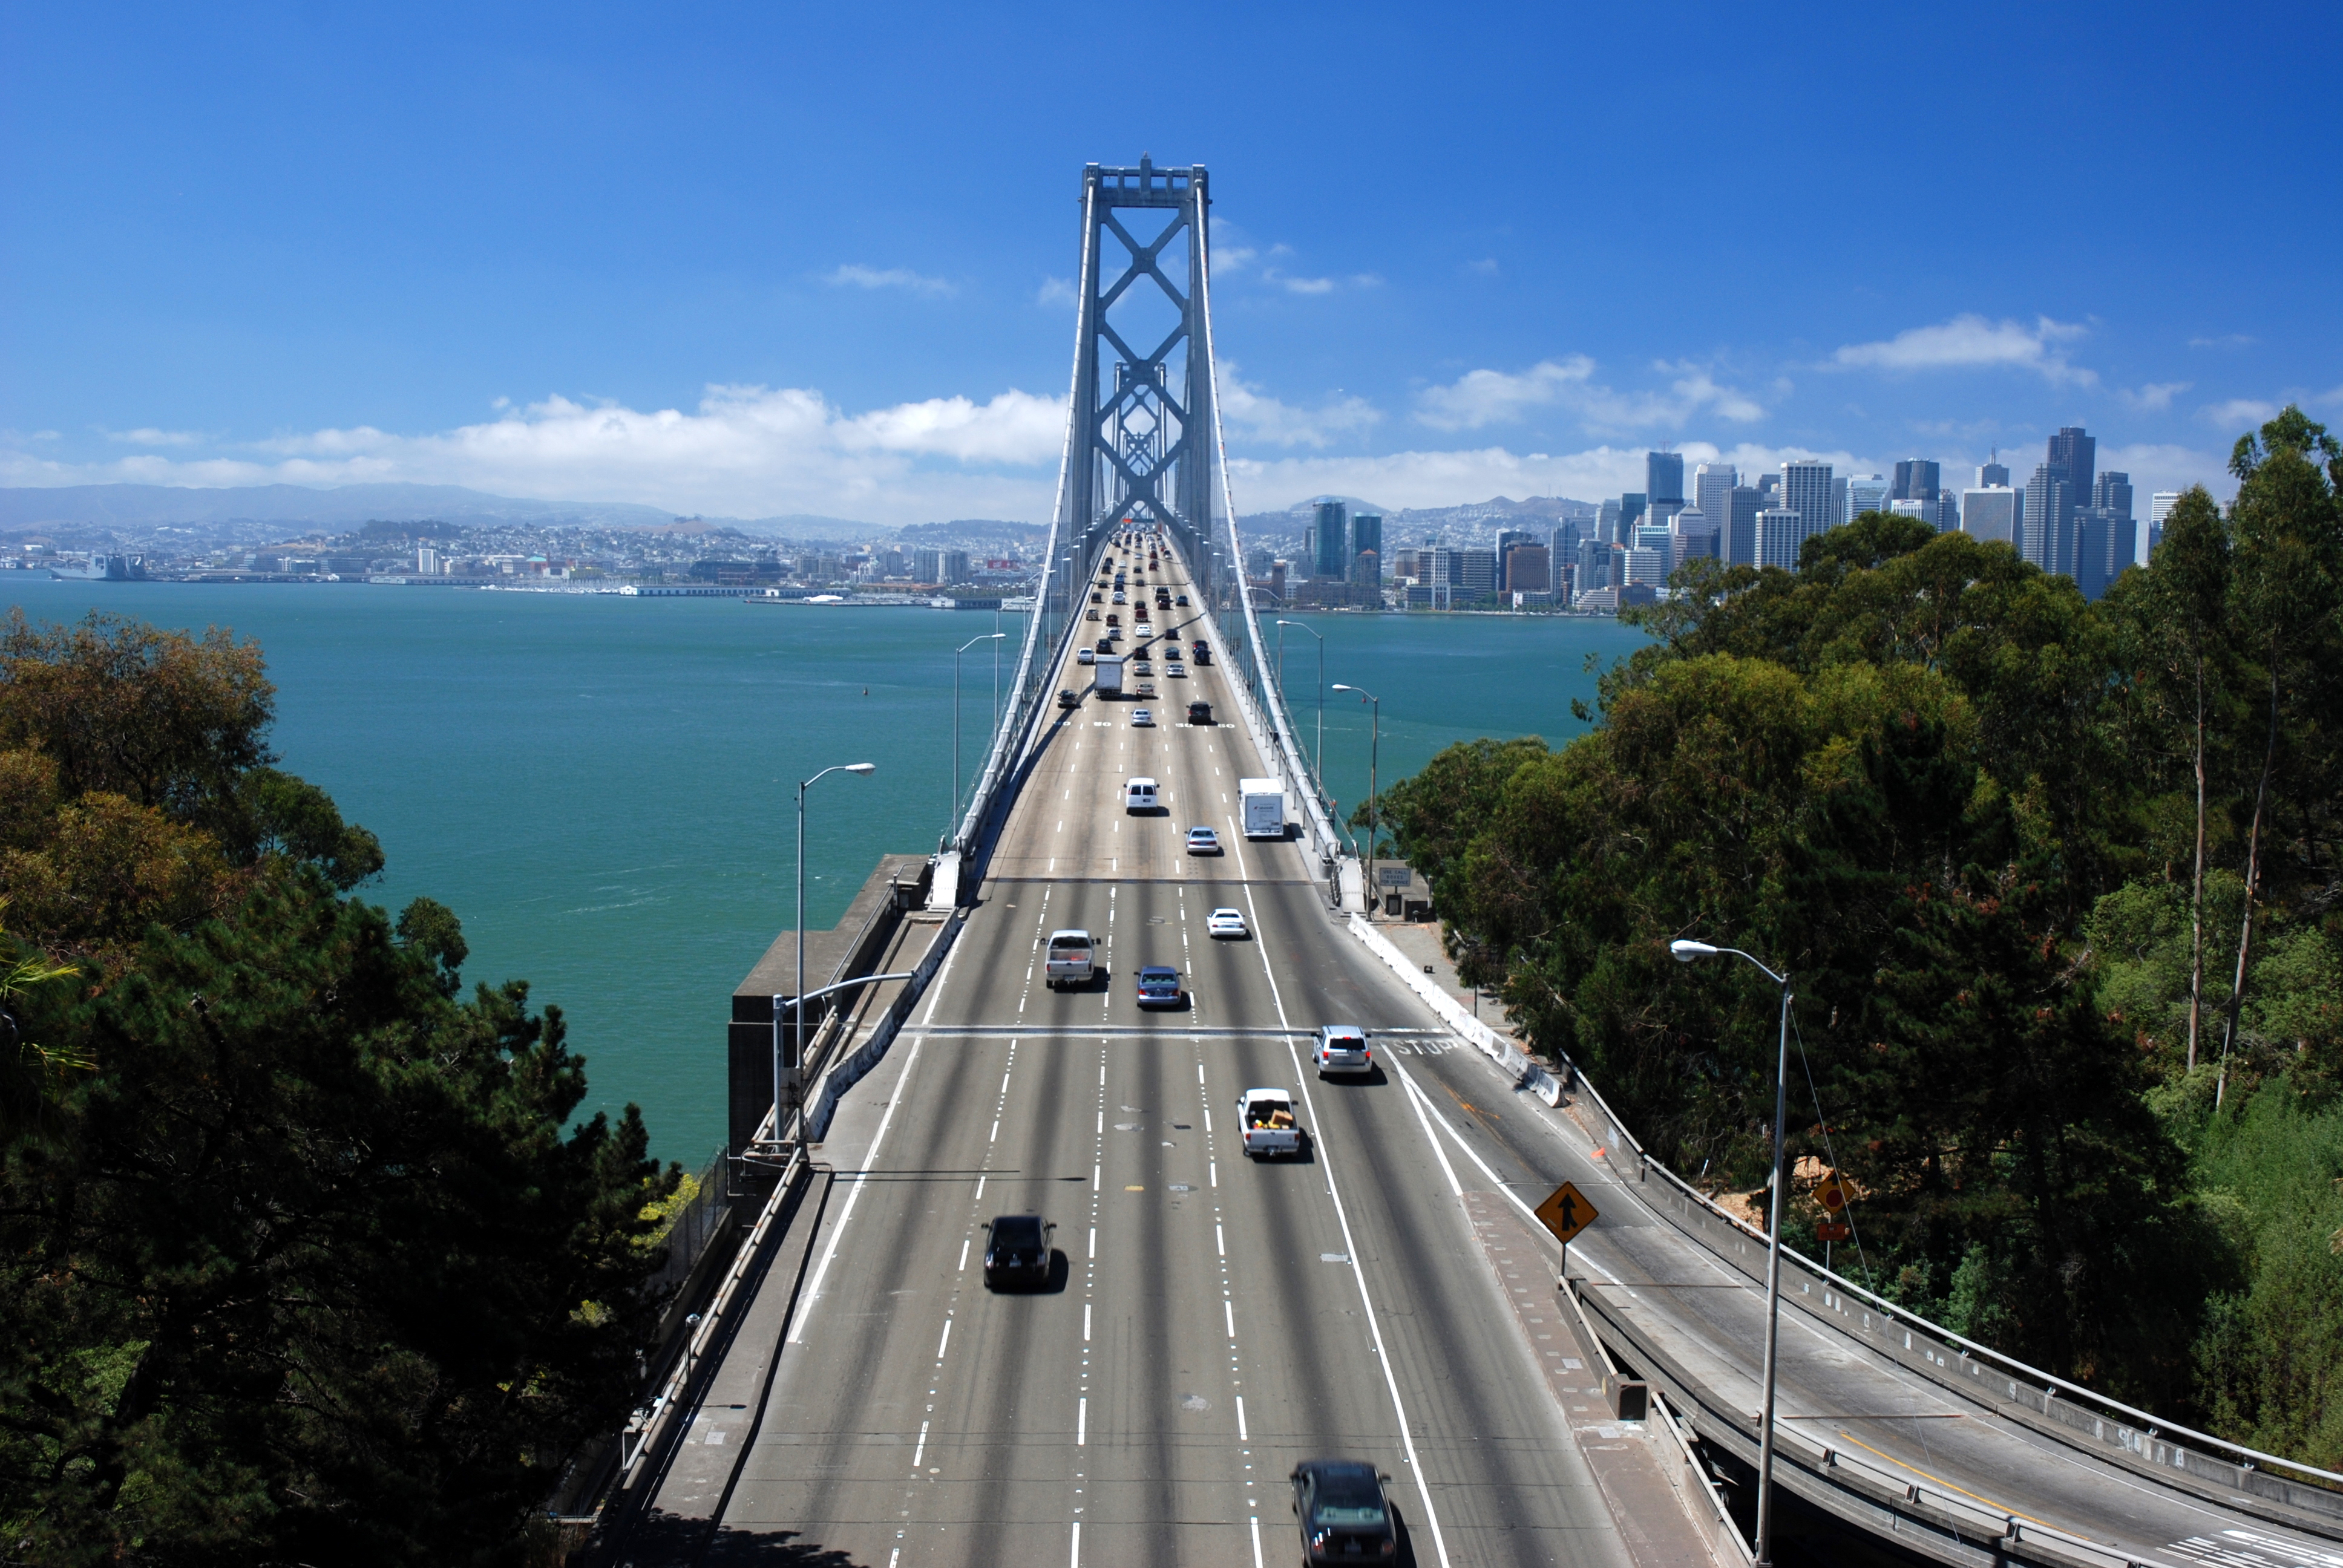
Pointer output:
1565, 1212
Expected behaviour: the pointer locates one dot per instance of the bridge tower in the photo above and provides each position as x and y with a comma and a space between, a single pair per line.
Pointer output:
1142, 438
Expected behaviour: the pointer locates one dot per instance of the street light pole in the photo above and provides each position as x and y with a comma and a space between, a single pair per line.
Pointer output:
797, 1003
1374, 800
1303, 626
956, 780
1685, 952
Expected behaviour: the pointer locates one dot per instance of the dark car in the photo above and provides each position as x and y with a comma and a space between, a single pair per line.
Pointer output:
1181, 601
1159, 986
1106, 645
1017, 1250
1068, 700
1203, 651
1341, 1507
1199, 712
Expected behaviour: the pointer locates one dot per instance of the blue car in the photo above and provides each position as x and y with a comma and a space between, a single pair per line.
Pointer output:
1159, 986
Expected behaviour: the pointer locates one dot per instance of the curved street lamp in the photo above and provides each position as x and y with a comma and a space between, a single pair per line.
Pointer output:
956, 780
1685, 951
1303, 626
797, 1003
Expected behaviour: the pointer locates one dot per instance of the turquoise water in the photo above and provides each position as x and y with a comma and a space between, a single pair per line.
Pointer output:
603, 789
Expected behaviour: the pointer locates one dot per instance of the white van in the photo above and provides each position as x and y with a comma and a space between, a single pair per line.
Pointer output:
1139, 796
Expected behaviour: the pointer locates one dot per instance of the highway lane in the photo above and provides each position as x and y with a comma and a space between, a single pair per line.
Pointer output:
1216, 1321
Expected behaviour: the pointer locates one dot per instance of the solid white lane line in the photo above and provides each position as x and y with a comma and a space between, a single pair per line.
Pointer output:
1424, 1105
1256, 1542
1423, 1117
861, 1180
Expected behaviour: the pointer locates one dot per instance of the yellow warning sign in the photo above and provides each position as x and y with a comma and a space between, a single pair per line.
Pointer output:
1565, 1212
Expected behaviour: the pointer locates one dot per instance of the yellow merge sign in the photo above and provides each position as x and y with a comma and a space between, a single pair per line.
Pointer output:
1565, 1212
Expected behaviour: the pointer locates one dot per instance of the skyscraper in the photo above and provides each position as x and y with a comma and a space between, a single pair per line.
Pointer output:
2159, 507
1736, 538
2049, 520
1806, 490
1990, 512
1606, 523
1711, 490
2113, 491
1866, 493
1995, 472
1664, 479
1528, 568
1329, 542
1915, 480
1367, 534
2106, 543
2080, 454
1690, 534
1780, 531
1631, 506
1769, 486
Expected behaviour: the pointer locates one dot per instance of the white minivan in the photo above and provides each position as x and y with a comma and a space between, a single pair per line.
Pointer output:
1139, 796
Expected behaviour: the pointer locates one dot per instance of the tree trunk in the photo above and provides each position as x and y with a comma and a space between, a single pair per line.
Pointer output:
2253, 873
2197, 888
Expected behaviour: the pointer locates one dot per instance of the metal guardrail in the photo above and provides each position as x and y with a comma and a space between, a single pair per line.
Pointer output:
2016, 1372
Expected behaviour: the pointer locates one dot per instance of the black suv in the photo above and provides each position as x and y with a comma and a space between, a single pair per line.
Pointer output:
1340, 1505
1199, 713
1017, 1251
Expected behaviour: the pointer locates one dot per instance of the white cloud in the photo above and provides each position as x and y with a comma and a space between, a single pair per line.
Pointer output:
150, 436
2157, 396
1481, 398
2226, 340
857, 275
2161, 465
2238, 412
1248, 412
1971, 342
745, 451
1057, 291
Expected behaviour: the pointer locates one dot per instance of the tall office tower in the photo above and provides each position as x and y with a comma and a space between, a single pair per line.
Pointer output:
1690, 534
1806, 490
1367, 569
1528, 569
1256, 561
1736, 534
1990, 512
2113, 491
927, 565
1711, 489
1664, 478
1564, 541
2106, 542
1769, 486
1606, 523
1646, 567
1916, 479
1838, 500
1330, 556
952, 568
1367, 534
1631, 506
2049, 520
1593, 564
1506, 539
427, 561
1780, 531
1992, 473
1866, 493
1913, 508
2080, 454
1948, 511
1479, 572
2159, 507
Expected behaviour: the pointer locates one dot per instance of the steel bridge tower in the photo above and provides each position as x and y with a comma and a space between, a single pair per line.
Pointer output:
1141, 442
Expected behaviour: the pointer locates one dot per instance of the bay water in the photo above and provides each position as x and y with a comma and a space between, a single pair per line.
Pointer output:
603, 787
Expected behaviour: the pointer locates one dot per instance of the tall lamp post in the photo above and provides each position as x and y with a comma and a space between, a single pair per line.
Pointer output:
797, 1003
1374, 803
956, 780
1301, 626
1685, 952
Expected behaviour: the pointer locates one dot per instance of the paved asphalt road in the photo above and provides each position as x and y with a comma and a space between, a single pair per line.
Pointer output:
1211, 1322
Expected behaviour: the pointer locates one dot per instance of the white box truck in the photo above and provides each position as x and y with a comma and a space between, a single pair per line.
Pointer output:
1261, 806
1107, 678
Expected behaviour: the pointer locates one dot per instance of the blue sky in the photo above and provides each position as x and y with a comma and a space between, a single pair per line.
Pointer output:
752, 260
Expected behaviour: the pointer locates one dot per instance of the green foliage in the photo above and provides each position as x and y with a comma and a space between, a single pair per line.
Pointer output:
296, 1256
2008, 843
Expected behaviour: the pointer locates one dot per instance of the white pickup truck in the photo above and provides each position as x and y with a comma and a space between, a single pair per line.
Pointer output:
1070, 959
1270, 1128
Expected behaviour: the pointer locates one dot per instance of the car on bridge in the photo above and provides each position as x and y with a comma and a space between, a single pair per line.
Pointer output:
1159, 986
1139, 796
1142, 719
1225, 922
1266, 1124
1342, 1048
1143, 666
1017, 1251
1202, 650
1181, 601
1204, 841
1199, 712
1175, 671
1085, 655
1068, 700
1072, 959
1340, 1505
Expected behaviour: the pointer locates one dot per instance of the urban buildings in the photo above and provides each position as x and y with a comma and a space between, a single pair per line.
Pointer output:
1528, 568
1711, 490
1737, 534
1366, 538
1868, 492
1330, 540
1806, 490
1916, 479
1780, 531
1989, 512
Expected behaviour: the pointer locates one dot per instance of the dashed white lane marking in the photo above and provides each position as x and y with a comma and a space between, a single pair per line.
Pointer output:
922, 1446
943, 1341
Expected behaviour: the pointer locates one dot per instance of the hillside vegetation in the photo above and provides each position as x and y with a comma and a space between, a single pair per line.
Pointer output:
2056, 883
301, 1258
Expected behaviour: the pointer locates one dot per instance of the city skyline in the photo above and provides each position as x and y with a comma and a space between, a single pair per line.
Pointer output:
572, 260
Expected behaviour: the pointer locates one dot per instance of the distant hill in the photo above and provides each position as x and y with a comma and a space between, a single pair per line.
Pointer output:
346, 506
